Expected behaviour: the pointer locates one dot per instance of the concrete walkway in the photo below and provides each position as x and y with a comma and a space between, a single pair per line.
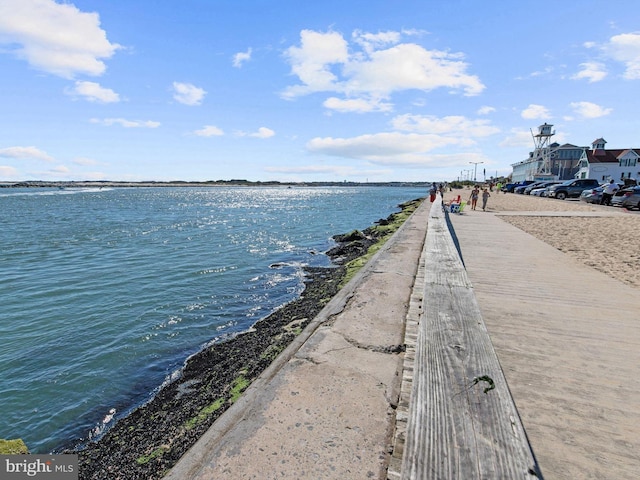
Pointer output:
326, 408
568, 339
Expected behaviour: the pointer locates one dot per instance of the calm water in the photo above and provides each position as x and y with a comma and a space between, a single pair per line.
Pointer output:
105, 293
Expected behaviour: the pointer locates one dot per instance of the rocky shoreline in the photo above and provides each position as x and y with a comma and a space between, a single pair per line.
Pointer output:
149, 441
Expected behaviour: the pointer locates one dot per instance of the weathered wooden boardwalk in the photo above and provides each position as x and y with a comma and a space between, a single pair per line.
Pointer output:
461, 421
568, 340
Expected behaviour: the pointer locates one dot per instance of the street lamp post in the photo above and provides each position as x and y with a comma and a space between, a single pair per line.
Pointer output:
475, 170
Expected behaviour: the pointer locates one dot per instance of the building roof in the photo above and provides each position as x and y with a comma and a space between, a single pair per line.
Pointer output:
624, 152
568, 145
608, 156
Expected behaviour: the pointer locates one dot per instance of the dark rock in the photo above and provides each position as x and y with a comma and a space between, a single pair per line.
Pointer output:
352, 236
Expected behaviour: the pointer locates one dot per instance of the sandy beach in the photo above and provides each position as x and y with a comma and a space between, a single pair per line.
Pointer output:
599, 236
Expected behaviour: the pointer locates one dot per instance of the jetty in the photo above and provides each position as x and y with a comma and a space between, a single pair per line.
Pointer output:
443, 359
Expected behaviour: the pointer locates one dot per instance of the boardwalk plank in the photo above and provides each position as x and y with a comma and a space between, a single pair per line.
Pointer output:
462, 420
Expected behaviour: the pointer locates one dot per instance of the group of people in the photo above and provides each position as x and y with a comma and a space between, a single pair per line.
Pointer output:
473, 198
435, 189
475, 194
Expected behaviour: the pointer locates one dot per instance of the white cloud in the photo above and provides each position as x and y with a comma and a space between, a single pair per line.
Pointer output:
300, 173
123, 122
357, 105
625, 48
55, 38
590, 110
325, 62
241, 57
486, 110
518, 138
371, 41
8, 172
312, 61
592, 71
413, 142
453, 125
86, 162
263, 132
188, 94
25, 152
409, 66
533, 112
209, 131
93, 92
339, 170
60, 170
393, 148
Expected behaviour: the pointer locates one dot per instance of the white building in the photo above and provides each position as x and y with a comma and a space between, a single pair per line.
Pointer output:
548, 161
605, 164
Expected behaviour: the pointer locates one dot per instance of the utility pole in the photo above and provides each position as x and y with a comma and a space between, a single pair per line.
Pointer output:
475, 170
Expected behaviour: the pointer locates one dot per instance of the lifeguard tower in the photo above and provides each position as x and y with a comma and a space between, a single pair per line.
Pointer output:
542, 152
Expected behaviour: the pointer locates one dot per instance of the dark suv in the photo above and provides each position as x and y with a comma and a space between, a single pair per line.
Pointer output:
571, 188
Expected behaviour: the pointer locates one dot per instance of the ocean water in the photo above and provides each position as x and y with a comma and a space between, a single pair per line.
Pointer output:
104, 293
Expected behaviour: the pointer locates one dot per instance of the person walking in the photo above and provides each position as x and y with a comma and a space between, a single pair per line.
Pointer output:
607, 192
432, 192
475, 193
485, 197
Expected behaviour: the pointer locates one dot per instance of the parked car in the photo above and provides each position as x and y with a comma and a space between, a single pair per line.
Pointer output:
571, 188
537, 185
601, 191
591, 195
523, 188
618, 197
631, 198
510, 187
520, 189
539, 192
507, 187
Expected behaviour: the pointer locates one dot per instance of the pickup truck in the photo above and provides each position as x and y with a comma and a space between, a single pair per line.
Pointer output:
571, 188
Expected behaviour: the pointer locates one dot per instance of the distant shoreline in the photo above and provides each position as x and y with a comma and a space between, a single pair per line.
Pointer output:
211, 183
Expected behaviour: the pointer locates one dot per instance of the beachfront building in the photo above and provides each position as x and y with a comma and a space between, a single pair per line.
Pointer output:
548, 161
563, 163
605, 164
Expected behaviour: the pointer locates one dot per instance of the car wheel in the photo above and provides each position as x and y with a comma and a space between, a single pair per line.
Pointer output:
561, 195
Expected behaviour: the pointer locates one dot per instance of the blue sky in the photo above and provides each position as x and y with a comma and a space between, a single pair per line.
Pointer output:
289, 90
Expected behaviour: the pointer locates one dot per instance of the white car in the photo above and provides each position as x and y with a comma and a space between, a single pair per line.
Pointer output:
541, 191
538, 192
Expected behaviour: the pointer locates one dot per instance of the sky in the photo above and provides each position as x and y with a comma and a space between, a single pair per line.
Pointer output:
290, 90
